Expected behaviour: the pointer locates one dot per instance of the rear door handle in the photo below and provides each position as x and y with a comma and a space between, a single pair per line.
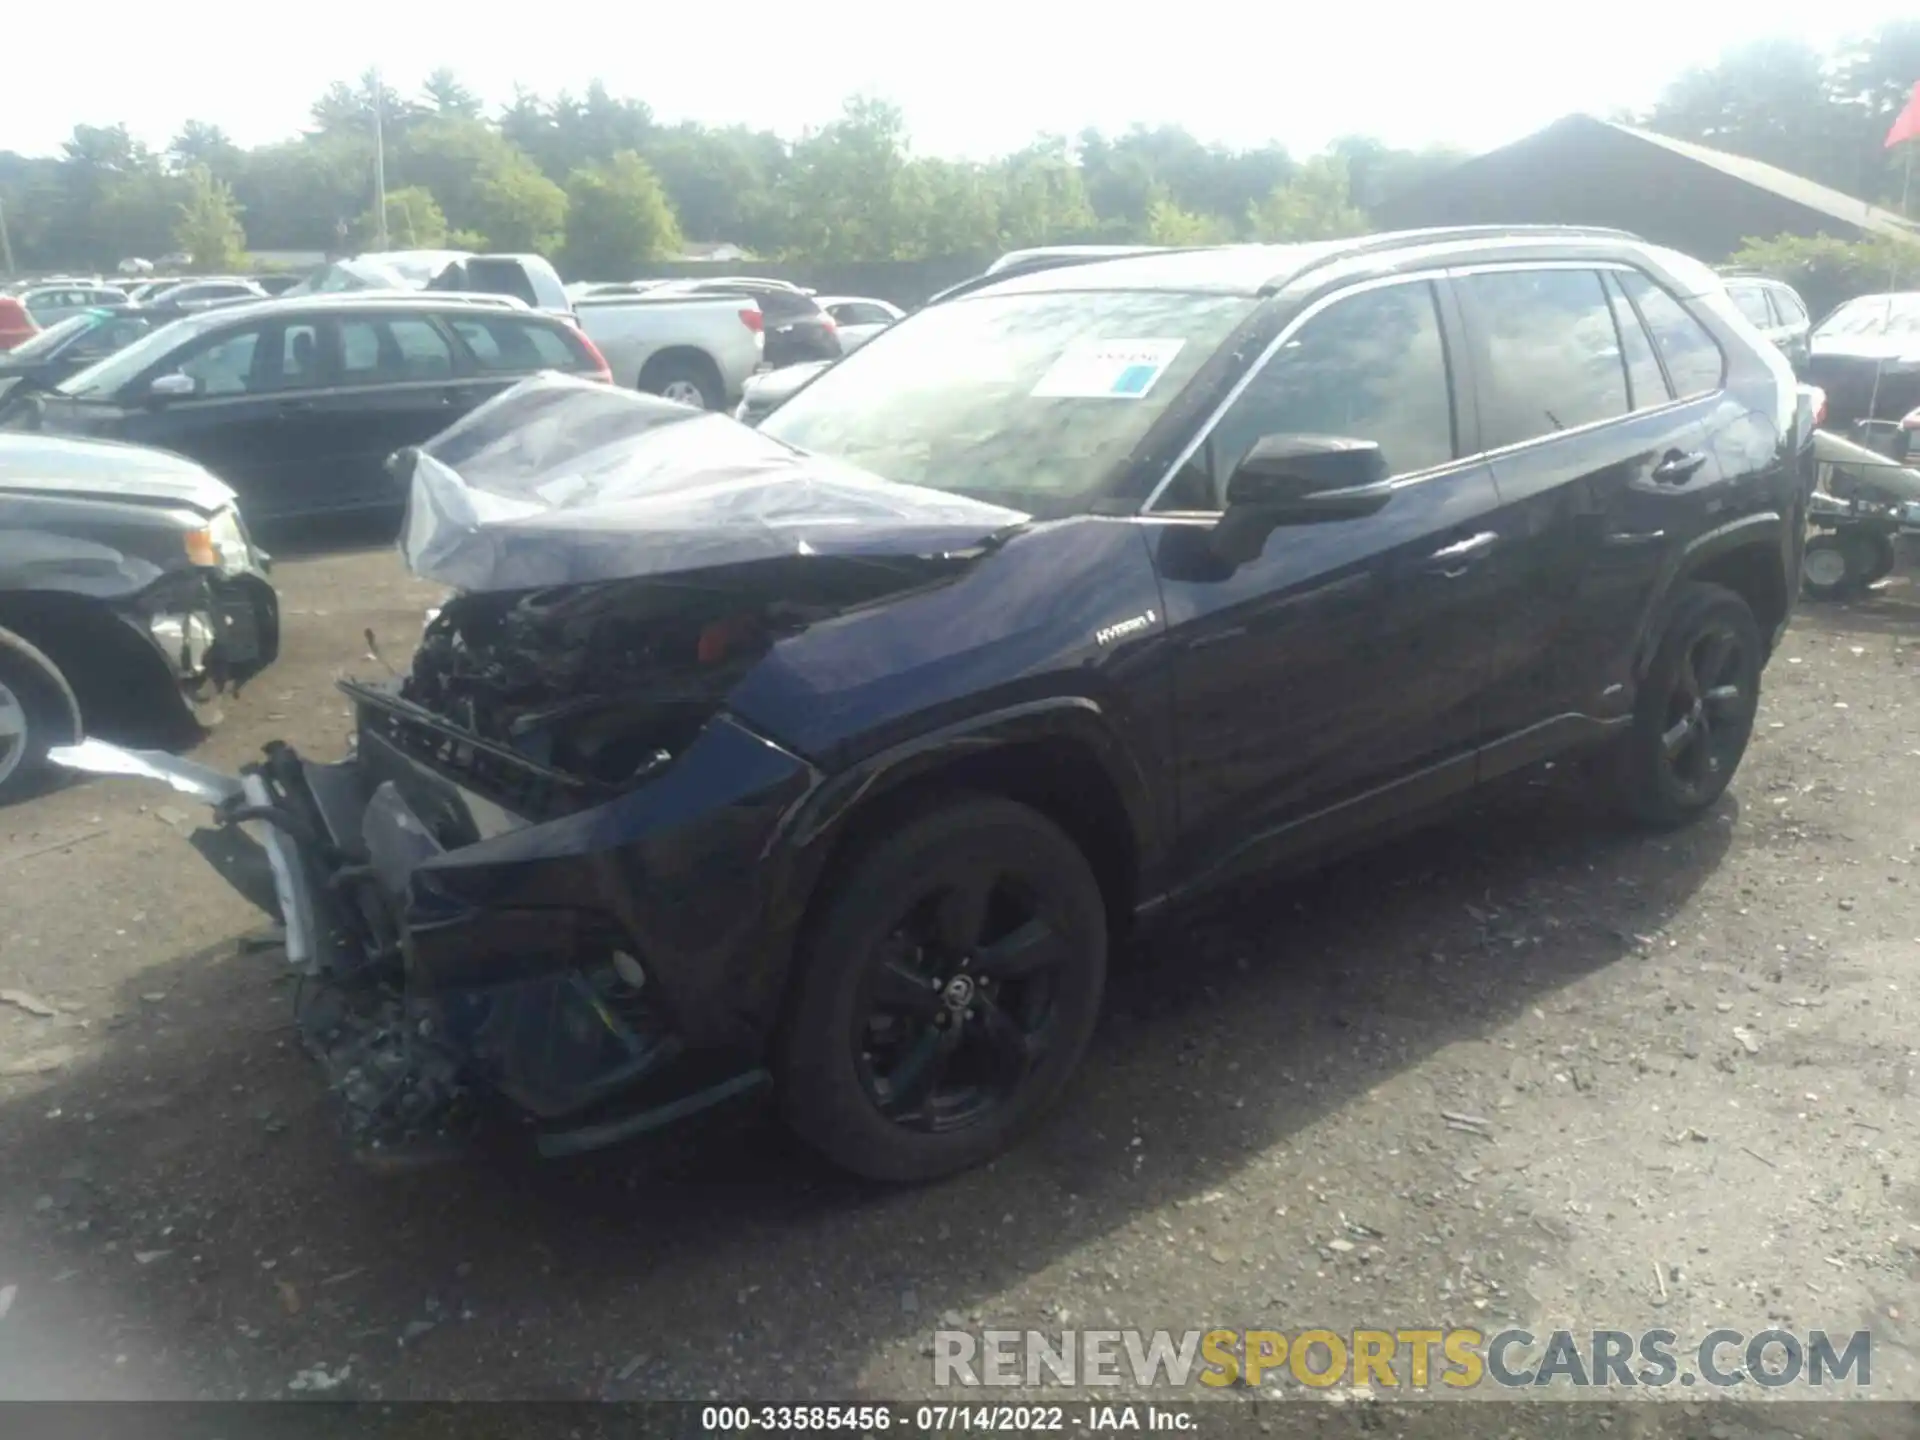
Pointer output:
1677, 467
296, 407
1450, 562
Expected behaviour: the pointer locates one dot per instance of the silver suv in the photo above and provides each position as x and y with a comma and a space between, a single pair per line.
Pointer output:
1777, 311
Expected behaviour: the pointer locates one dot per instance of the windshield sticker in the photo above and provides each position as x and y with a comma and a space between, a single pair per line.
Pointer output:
1107, 369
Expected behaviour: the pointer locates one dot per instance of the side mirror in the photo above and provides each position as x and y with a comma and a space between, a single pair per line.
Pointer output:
1298, 480
172, 387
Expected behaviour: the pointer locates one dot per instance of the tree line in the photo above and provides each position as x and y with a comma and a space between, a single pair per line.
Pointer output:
599, 183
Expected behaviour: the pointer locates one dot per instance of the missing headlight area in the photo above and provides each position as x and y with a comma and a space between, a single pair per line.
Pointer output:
605, 682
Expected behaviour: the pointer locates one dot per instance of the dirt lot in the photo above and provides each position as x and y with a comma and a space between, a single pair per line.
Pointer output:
1693, 1056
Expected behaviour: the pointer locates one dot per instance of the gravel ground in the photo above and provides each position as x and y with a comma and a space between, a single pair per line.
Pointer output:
1691, 1056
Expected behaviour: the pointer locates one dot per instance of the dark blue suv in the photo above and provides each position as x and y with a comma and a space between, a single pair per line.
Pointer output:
829, 758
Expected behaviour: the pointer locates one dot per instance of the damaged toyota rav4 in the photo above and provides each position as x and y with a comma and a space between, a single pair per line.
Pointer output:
831, 758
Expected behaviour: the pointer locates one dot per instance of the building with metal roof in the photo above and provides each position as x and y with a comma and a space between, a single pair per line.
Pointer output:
1584, 171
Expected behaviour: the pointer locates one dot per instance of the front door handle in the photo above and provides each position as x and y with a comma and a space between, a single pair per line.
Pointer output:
1677, 467
296, 407
1450, 562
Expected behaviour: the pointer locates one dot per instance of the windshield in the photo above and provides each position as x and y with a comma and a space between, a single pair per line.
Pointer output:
1030, 401
104, 380
1874, 315
50, 340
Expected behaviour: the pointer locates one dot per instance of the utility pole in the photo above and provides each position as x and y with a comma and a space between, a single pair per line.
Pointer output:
6, 245
379, 167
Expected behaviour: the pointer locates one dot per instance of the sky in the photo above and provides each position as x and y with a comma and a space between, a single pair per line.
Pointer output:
975, 79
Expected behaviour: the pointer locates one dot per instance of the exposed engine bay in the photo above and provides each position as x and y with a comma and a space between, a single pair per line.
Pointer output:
606, 681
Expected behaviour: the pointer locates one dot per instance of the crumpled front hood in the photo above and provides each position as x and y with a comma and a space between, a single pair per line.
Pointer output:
562, 481
105, 470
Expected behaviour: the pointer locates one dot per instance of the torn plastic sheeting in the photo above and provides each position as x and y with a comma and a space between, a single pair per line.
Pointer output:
560, 481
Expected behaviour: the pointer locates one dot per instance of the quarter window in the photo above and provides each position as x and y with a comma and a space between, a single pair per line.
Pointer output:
1552, 356
1693, 357
1646, 383
1371, 367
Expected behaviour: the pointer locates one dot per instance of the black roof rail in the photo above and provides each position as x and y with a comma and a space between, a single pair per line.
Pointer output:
1045, 259
1442, 234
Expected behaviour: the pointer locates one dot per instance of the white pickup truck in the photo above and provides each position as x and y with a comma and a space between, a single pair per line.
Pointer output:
697, 349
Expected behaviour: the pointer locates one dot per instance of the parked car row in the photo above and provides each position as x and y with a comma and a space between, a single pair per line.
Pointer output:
828, 759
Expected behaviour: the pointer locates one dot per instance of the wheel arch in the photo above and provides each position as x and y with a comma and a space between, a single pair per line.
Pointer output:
105, 665
27, 652
1747, 556
1061, 757
689, 355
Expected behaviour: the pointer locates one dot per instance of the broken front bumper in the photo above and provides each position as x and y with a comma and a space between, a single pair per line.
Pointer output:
603, 972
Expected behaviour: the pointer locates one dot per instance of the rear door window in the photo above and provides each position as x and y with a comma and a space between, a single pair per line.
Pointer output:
393, 350
1693, 358
1551, 357
1792, 312
302, 360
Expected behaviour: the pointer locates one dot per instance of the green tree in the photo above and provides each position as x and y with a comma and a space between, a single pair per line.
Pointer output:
618, 218
208, 229
1043, 198
305, 194
445, 95
350, 109
1316, 204
485, 186
848, 193
199, 143
1169, 224
414, 221
1828, 271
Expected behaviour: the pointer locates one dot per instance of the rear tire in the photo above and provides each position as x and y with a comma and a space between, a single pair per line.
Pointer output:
946, 990
1695, 710
684, 380
34, 718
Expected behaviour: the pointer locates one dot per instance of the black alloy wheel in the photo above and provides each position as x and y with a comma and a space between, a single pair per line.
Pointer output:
958, 1002
948, 985
1696, 707
1707, 706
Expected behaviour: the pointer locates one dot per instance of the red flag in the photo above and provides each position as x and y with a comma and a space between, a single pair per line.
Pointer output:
1906, 125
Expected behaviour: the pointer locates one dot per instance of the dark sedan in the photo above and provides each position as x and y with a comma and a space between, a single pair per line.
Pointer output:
298, 403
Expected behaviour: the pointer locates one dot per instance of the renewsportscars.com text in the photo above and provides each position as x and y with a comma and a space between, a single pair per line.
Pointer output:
1402, 1359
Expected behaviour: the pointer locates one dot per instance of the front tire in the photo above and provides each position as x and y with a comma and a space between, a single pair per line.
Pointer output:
1881, 555
1830, 567
34, 717
1695, 710
946, 991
